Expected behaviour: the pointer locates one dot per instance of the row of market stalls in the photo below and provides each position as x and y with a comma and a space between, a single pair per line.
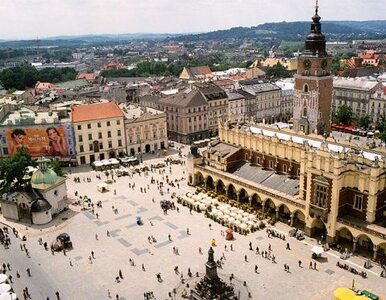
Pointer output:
230, 215
105, 164
6, 291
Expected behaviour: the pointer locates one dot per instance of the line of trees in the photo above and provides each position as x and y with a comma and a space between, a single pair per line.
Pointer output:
20, 78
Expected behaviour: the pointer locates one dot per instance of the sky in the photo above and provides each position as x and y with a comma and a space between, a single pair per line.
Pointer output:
20, 19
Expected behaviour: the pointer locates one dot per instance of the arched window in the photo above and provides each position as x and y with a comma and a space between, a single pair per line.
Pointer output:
304, 111
305, 88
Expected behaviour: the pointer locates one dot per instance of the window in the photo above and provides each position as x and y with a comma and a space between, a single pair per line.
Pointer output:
109, 134
91, 147
101, 146
358, 202
89, 126
99, 135
80, 138
304, 111
119, 132
119, 143
81, 148
108, 123
110, 144
99, 124
90, 136
118, 122
79, 127
321, 195
5, 151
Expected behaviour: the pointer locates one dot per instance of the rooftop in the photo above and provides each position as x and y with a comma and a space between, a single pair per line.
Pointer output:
188, 98
96, 111
355, 83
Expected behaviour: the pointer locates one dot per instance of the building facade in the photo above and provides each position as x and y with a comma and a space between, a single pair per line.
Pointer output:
99, 131
311, 183
357, 93
145, 129
313, 84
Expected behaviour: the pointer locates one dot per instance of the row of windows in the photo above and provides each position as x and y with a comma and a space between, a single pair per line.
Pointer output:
96, 146
100, 135
99, 124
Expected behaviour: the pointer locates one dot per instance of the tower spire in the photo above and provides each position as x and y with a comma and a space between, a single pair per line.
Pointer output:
316, 7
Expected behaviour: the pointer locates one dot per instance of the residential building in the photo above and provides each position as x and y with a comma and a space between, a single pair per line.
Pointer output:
99, 131
187, 114
265, 101
356, 93
196, 73
41, 132
217, 100
377, 105
145, 129
236, 105
287, 87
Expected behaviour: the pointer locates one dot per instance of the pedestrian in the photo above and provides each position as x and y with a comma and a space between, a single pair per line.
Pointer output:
315, 265
269, 247
29, 272
108, 294
257, 250
300, 263
96, 236
97, 215
256, 268
90, 259
310, 266
108, 233
117, 296
288, 246
17, 274
199, 250
120, 274
246, 258
57, 295
143, 267
231, 247
250, 246
225, 247
170, 237
9, 267
92, 254
210, 226
187, 231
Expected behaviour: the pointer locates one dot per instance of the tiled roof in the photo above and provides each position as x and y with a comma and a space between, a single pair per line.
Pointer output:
185, 99
201, 70
96, 111
44, 85
87, 76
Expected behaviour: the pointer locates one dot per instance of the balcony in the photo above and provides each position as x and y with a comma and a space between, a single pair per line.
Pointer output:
319, 211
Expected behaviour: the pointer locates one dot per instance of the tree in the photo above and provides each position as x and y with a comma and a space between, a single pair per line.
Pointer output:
381, 126
12, 169
344, 115
364, 122
279, 71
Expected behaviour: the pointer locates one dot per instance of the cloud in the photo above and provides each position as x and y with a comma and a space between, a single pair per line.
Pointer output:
31, 18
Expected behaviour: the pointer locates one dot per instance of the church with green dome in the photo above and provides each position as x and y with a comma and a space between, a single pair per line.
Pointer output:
44, 197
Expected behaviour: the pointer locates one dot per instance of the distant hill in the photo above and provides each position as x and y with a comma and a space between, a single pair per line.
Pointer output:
293, 31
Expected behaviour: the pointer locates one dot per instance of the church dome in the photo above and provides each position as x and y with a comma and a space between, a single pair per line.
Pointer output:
40, 205
44, 177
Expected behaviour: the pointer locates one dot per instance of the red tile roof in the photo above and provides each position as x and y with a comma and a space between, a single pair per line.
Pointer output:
87, 76
96, 111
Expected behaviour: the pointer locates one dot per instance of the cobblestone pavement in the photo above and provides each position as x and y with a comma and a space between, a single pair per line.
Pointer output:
127, 240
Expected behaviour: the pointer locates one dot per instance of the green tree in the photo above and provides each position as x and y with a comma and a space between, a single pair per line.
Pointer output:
55, 166
381, 126
12, 169
278, 71
344, 115
364, 122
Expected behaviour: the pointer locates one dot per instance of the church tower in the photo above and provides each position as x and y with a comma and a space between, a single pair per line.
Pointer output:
313, 83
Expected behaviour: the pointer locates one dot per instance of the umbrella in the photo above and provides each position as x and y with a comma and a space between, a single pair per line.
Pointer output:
245, 214
251, 217
239, 217
4, 287
317, 250
219, 213
229, 230
245, 220
233, 214
227, 205
233, 208
189, 194
8, 296
225, 217
3, 278
243, 226
231, 219
226, 211
240, 211
221, 207
251, 223
237, 223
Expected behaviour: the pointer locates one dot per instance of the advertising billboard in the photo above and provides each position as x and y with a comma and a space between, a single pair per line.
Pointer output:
51, 140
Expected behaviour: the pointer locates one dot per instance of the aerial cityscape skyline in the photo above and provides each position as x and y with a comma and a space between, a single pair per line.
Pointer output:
45, 18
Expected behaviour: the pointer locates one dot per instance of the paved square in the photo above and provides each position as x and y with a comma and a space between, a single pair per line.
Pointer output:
128, 241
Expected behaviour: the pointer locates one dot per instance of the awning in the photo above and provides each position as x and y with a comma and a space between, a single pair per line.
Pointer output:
317, 250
